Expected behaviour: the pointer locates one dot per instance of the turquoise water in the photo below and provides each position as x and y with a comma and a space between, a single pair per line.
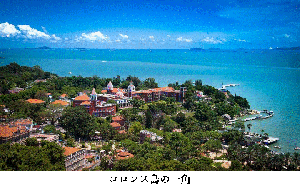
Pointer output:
269, 79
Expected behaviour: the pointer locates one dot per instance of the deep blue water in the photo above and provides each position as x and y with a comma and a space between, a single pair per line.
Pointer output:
269, 79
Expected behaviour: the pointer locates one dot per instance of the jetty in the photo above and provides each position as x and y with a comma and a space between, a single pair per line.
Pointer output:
228, 85
265, 140
269, 114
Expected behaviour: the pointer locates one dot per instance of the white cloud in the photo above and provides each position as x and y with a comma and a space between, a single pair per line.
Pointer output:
7, 30
212, 40
152, 38
168, 36
239, 40
32, 33
25, 31
118, 40
94, 36
55, 38
180, 39
124, 36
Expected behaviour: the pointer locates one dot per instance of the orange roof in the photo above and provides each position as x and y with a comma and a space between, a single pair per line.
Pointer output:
142, 91
115, 124
85, 103
63, 95
60, 102
124, 155
70, 150
83, 97
122, 131
117, 118
164, 89
35, 101
104, 91
6, 131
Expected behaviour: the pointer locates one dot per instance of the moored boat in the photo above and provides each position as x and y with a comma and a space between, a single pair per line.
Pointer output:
297, 148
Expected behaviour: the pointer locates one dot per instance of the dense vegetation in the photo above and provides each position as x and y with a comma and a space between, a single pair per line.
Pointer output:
199, 119
32, 157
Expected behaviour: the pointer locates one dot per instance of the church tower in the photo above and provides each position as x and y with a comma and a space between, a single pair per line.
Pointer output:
131, 88
110, 87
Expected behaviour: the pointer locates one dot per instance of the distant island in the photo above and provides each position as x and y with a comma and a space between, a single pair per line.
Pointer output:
291, 48
43, 47
201, 49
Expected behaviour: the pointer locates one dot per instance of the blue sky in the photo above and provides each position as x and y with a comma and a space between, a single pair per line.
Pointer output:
150, 24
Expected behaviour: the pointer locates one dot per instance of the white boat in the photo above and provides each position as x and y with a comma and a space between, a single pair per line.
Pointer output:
277, 147
297, 148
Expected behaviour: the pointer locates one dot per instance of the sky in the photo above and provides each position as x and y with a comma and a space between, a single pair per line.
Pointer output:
163, 24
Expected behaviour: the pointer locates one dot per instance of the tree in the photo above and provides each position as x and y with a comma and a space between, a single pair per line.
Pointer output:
77, 122
213, 145
31, 142
149, 119
46, 157
135, 128
54, 112
169, 124
107, 132
239, 124
249, 126
150, 83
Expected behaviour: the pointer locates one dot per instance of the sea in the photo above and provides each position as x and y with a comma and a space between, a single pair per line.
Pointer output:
269, 79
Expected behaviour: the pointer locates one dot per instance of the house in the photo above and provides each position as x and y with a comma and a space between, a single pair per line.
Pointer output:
119, 119
15, 131
121, 154
35, 101
10, 133
46, 137
63, 103
15, 90
148, 134
75, 158
116, 125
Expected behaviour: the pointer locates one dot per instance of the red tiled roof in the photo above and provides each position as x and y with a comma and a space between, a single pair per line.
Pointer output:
35, 101
83, 97
63, 95
104, 91
117, 118
70, 150
60, 102
115, 124
85, 103
164, 89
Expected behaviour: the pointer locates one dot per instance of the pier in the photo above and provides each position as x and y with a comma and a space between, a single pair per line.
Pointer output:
228, 85
259, 137
269, 114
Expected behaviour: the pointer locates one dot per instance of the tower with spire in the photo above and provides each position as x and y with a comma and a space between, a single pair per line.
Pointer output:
131, 88
110, 87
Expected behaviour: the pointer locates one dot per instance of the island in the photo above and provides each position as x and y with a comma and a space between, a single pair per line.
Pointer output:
51, 123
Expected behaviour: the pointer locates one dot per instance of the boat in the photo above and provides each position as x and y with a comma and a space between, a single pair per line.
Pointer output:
70, 72
277, 147
297, 148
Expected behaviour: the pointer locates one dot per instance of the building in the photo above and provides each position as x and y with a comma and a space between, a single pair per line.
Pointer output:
94, 106
148, 134
75, 158
15, 131
15, 90
11, 133
157, 94
46, 137
121, 154
63, 103
116, 125
35, 101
